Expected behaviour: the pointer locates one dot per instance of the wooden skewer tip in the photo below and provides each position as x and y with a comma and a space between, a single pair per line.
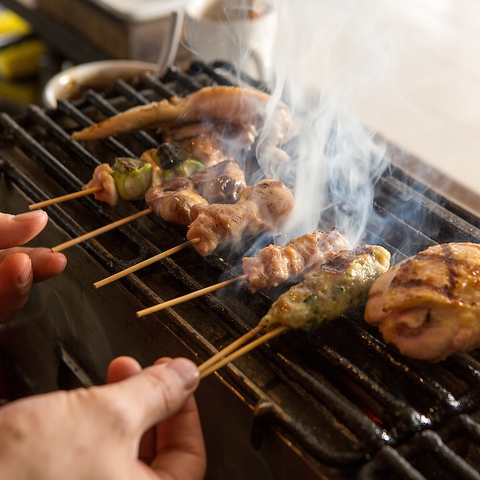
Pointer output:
64, 198
188, 296
145, 263
101, 230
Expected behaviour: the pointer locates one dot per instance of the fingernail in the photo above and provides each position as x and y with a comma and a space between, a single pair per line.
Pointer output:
186, 370
28, 216
163, 360
27, 273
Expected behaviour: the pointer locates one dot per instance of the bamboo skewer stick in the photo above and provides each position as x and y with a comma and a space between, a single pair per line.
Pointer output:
189, 296
233, 346
204, 372
101, 230
145, 263
64, 198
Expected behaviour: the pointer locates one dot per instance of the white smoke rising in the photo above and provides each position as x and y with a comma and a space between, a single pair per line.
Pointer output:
330, 56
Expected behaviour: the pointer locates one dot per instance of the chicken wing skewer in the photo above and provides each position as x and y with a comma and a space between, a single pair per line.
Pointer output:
242, 106
339, 285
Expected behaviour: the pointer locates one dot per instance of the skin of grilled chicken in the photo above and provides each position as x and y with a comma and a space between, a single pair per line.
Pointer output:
429, 305
262, 208
102, 177
173, 200
242, 106
274, 264
221, 183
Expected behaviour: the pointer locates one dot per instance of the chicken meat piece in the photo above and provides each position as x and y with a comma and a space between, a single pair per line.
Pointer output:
102, 177
429, 305
339, 285
245, 107
173, 200
225, 136
221, 183
274, 264
262, 208
207, 149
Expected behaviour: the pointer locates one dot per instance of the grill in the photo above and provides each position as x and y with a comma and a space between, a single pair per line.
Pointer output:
333, 402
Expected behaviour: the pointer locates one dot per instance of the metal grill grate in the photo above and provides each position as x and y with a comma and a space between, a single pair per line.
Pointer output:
352, 406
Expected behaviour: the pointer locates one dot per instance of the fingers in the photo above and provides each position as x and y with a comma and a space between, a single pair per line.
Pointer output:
157, 392
46, 264
122, 368
16, 278
17, 273
15, 230
180, 445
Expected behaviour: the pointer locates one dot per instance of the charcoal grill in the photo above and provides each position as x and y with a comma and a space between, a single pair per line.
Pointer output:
334, 402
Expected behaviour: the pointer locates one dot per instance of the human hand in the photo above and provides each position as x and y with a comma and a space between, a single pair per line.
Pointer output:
95, 433
21, 266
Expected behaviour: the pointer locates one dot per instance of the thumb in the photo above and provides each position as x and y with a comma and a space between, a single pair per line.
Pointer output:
157, 392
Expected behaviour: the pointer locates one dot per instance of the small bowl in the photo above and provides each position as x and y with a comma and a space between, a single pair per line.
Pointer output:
71, 83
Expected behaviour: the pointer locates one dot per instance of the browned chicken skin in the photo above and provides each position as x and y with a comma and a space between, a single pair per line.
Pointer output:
102, 177
263, 207
173, 200
220, 183
245, 107
273, 264
429, 305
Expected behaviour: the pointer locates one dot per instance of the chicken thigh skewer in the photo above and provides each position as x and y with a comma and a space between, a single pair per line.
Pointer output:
339, 285
428, 305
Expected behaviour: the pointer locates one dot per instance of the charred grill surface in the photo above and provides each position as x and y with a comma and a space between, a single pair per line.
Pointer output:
349, 406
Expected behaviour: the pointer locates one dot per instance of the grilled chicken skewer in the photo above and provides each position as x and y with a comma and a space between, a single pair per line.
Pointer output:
242, 106
128, 178
428, 305
262, 208
274, 264
339, 285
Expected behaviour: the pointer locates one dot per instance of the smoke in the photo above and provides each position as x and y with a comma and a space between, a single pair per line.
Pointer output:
331, 56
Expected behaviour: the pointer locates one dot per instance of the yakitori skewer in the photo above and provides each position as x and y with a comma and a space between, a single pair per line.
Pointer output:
101, 230
145, 263
64, 198
338, 286
275, 264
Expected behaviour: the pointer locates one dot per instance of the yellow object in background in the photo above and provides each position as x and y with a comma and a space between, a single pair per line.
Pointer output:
11, 23
20, 51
